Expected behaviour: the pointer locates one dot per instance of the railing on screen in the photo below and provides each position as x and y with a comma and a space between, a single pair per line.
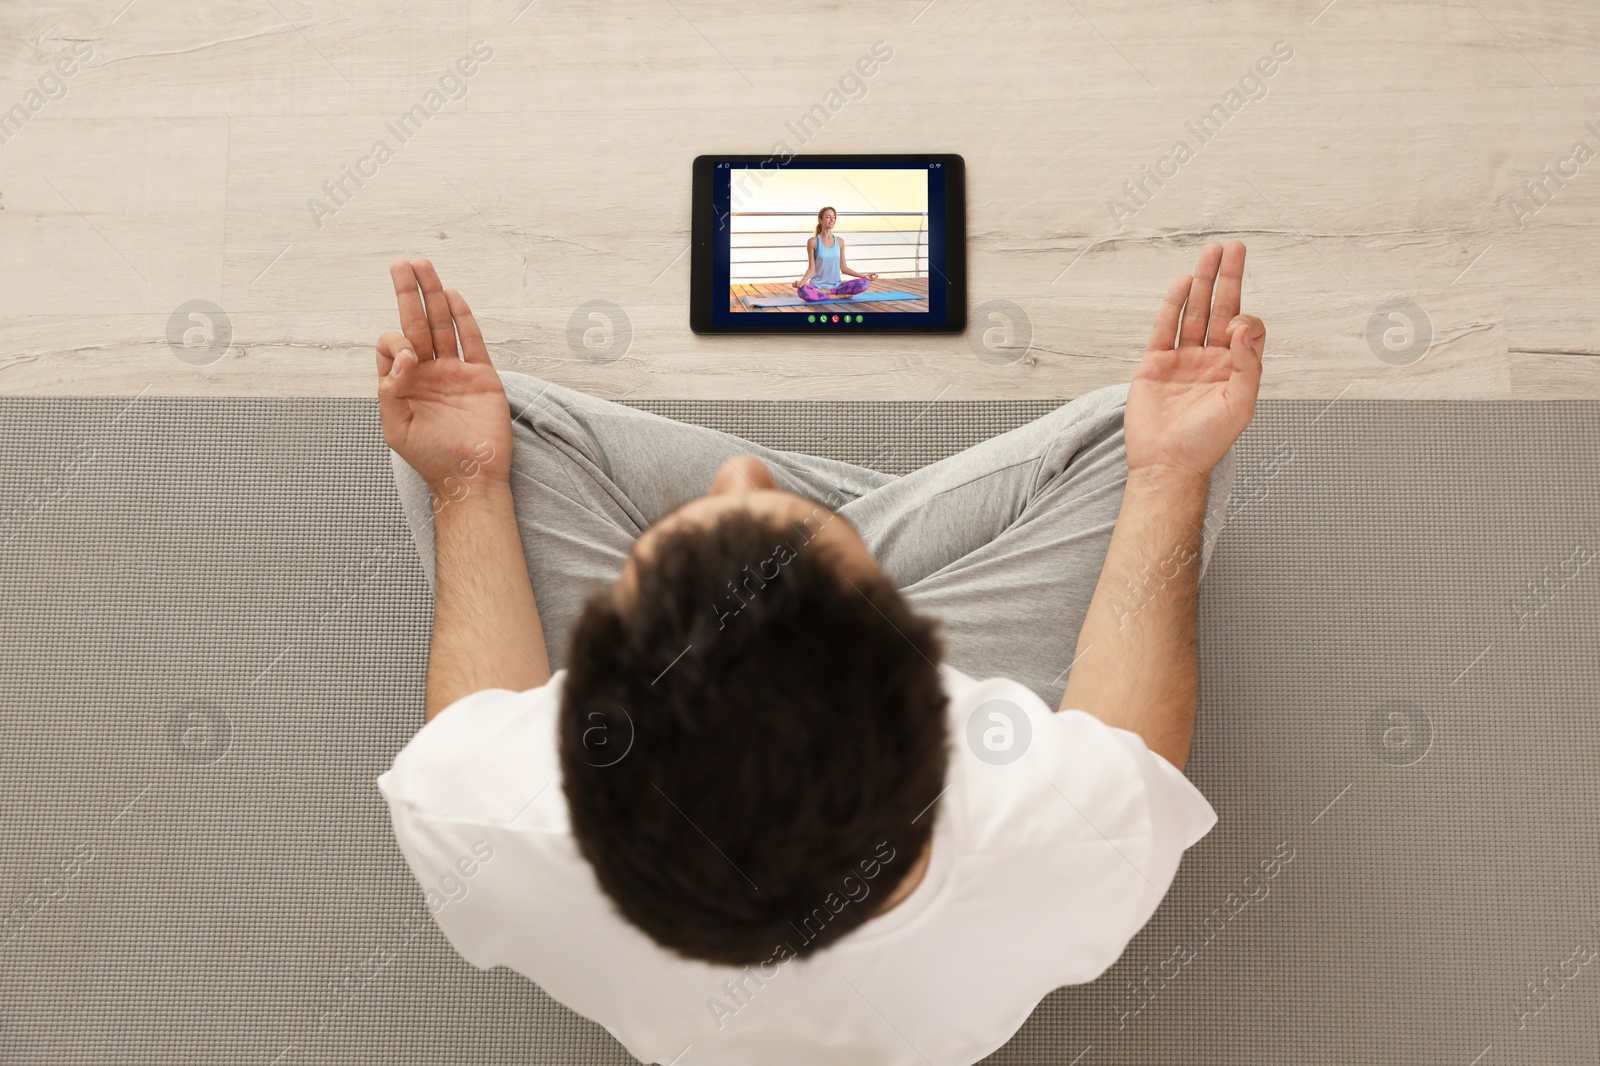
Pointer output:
890, 252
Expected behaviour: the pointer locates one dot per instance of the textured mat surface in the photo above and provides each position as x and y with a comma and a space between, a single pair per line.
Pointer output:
215, 636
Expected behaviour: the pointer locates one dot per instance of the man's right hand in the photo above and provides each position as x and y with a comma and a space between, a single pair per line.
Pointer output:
446, 415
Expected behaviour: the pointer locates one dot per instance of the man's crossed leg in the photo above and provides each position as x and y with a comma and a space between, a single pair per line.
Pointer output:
1002, 542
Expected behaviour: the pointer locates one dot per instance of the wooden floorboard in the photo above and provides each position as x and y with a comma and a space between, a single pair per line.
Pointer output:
1420, 156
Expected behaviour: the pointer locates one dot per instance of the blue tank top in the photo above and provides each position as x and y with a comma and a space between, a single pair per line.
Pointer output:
827, 274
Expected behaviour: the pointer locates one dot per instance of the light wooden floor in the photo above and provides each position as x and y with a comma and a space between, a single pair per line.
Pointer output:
1385, 163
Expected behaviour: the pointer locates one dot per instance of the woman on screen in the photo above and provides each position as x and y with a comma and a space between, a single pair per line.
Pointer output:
825, 262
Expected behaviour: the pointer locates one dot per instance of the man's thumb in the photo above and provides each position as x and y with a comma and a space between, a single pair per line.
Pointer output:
404, 360
1245, 358
392, 388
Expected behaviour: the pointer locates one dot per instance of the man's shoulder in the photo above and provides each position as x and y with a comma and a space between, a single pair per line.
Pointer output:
1026, 774
486, 758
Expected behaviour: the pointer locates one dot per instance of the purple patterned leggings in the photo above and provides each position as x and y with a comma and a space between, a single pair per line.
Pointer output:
811, 294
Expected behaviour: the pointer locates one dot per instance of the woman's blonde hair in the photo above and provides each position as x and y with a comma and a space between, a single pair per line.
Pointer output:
818, 231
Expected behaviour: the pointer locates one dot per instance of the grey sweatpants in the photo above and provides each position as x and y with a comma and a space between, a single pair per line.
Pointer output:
1003, 542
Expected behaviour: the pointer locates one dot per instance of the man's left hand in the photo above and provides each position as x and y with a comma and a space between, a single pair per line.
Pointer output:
442, 413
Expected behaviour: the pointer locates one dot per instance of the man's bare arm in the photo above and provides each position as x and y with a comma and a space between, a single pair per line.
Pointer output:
1135, 665
1194, 392
446, 415
486, 631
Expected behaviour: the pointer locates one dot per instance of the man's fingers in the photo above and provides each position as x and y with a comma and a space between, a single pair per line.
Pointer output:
1225, 301
1165, 333
1197, 310
413, 319
439, 321
473, 349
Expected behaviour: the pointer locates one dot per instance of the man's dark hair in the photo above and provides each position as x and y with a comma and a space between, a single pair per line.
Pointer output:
752, 737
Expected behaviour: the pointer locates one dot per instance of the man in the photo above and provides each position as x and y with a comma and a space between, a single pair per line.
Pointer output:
713, 766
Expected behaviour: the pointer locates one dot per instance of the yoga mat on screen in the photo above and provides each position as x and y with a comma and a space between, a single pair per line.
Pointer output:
860, 298
216, 635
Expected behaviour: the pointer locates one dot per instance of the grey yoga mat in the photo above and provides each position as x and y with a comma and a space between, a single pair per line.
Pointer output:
215, 638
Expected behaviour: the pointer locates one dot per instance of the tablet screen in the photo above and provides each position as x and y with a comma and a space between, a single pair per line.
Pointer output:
829, 243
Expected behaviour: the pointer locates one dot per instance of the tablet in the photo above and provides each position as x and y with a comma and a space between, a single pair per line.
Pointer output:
828, 244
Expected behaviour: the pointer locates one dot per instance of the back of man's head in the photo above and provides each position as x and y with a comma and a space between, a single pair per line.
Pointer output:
751, 740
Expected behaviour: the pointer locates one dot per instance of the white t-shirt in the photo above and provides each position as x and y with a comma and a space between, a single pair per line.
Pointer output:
1043, 868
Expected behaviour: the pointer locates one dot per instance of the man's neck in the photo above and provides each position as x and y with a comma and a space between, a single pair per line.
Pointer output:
910, 882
